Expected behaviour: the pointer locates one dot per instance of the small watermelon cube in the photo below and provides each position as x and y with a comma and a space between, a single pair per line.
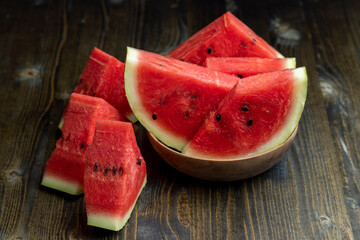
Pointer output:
115, 173
64, 170
103, 76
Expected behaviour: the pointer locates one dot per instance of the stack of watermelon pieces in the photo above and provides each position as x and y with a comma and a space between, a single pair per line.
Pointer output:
223, 93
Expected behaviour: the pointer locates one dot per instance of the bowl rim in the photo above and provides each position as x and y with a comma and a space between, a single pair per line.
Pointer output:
290, 138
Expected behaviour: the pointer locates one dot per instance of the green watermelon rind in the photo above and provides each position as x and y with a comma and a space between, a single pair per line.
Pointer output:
61, 184
61, 123
109, 222
144, 117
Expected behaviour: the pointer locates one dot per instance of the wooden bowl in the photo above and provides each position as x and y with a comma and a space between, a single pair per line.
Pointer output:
221, 169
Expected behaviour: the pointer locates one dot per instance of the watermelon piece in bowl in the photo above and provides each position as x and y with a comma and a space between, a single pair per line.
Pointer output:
103, 76
259, 114
227, 36
64, 170
115, 174
171, 98
249, 66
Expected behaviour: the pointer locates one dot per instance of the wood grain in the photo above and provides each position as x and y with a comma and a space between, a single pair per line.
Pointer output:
312, 193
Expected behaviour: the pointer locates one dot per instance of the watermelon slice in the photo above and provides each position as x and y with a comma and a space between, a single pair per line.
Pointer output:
115, 174
103, 76
64, 170
171, 98
227, 36
258, 114
248, 66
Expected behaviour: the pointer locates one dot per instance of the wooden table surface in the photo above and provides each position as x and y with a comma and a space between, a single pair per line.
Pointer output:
312, 193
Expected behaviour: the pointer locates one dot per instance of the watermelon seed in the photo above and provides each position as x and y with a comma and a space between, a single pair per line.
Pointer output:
114, 170
243, 45
186, 115
106, 170
245, 108
85, 86
139, 161
218, 117
209, 50
154, 117
95, 167
181, 59
120, 171
254, 39
194, 96
80, 80
240, 76
250, 122
82, 145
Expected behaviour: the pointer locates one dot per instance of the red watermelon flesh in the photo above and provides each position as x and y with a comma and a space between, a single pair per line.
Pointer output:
171, 98
64, 170
103, 76
248, 66
258, 114
80, 117
115, 173
227, 36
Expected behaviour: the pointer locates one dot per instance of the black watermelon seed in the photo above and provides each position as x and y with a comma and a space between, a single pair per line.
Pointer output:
254, 39
120, 171
181, 59
240, 76
245, 108
106, 170
186, 115
194, 96
154, 117
250, 122
139, 161
114, 170
243, 45
218, 117
93, 93
82, 145
80, 80
95, 167
209, 50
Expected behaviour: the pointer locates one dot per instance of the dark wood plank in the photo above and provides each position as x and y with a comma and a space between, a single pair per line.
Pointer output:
28, 73
338, 51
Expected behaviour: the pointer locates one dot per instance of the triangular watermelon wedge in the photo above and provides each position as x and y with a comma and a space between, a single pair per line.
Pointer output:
115, 174
227, 36
103, 77
257, 115
171, 98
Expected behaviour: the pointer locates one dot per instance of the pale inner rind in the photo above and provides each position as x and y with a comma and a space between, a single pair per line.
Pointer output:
111, 222
131, 88
290, 63
60, 184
